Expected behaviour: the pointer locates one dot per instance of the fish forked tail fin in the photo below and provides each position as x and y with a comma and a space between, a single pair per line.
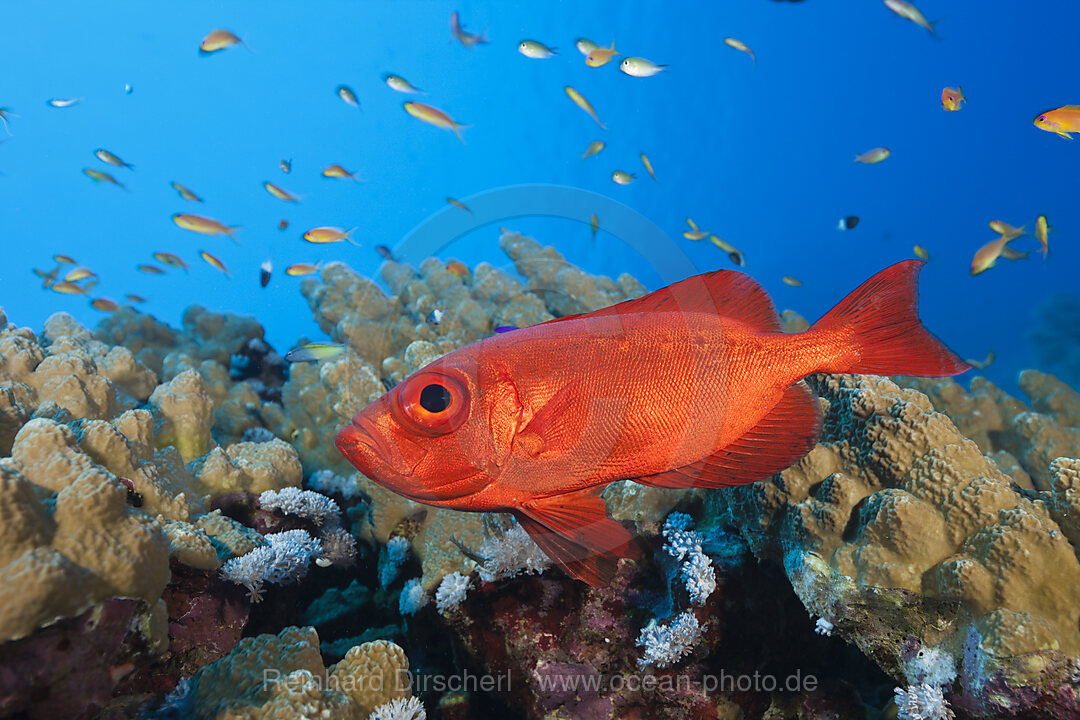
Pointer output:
883, 316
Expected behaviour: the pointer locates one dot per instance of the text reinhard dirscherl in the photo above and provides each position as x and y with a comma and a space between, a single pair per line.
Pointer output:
558, 682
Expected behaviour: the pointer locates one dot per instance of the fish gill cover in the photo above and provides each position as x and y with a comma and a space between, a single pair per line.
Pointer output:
186, 193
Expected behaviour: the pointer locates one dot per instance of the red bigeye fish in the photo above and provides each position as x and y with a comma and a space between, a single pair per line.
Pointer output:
693, 385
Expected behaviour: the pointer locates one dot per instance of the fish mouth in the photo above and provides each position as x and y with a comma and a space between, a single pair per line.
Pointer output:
363, 444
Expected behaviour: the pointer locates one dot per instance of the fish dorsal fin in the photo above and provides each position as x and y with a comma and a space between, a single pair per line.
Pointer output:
726, 293
573, 529
785, 434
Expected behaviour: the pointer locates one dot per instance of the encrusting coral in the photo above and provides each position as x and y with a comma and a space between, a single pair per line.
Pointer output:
282, 676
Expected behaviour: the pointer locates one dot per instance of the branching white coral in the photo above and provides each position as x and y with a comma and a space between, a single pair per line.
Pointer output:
510, 554
922, 702
823, 627
413, 597
451, 592
329, 482
392, 558
302, 503
399, 709
666, 644
684, 544
284, 560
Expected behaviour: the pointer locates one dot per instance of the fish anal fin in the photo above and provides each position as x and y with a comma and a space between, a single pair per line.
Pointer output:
727, 293
785, 434
573, 529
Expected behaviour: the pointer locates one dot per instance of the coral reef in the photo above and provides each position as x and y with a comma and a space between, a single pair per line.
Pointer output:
900, 532
156, 483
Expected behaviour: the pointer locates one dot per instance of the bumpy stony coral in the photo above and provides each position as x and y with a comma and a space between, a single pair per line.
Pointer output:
1023, 440
282, 676
92, 545
896, 500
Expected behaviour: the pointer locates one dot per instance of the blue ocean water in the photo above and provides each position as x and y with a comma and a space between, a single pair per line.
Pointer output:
759, 154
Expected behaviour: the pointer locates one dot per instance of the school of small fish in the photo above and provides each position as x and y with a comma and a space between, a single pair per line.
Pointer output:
1062, 121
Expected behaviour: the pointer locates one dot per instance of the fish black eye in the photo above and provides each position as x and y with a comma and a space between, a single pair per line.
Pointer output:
435, 398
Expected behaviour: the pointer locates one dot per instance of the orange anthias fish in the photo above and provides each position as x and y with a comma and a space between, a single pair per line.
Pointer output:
952, 98
691, 386
1062, 121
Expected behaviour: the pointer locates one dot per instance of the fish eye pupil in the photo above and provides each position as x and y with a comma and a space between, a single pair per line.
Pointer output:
434, 398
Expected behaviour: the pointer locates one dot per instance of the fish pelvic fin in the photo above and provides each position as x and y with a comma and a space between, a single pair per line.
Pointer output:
881, 318
781, 438
573, 529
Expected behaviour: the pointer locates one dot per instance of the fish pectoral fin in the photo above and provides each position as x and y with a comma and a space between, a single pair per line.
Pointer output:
727, 293
553, 427
785, 434
574, 530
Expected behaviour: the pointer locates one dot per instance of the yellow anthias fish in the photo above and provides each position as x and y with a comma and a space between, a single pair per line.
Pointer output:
68, 288
218, 40
214, 262
170, 259
1007, 230
185, 193
326, 234
104, 304
149, 269
203, 225
952, 98
648, 166
695, 234
99, 176
135, 298
459, 204
921, 252
792, 281
723, 244
909, 12
594, 147
298, 269
1009, 254
336, 171
107, 157
1064, 120
582, 103
434, 116
742, 47
280, 193
401, 85
64, 259
1042, 234
594, 223
286, 166
79, 273
535, 50
987, 255
621, 177
872, 157
600, 56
